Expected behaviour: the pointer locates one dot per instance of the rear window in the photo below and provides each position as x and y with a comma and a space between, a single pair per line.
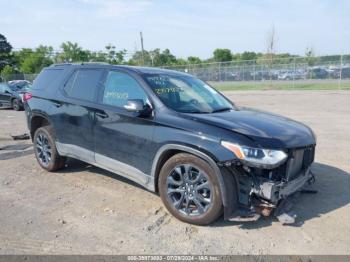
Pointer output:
46, 78
83, 84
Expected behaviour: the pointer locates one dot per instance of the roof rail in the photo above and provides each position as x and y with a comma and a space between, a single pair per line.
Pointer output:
60, 64
82, 63
95, 63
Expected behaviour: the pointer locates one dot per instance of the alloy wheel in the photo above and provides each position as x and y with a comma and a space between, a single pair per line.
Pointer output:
43, 149
189, 190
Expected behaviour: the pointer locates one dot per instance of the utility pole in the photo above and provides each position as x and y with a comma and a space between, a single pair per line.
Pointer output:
142, 50
341, 69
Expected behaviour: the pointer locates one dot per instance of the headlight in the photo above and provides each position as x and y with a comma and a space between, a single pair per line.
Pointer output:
256, 156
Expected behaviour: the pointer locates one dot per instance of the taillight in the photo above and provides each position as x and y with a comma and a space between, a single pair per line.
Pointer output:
27, 96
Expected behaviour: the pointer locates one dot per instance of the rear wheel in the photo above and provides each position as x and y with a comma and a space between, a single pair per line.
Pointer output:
46, 151
16, 105
190, 189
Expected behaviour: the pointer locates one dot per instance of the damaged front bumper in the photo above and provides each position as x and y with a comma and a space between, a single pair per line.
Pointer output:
260, 196
275, 191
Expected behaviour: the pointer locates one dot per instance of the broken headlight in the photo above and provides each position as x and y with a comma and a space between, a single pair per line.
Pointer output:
259, 157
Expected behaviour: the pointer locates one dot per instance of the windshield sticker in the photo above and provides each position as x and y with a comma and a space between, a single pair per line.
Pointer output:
168, 90
116, 95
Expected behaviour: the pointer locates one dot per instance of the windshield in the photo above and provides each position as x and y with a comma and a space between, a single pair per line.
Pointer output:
19, 85
187, 94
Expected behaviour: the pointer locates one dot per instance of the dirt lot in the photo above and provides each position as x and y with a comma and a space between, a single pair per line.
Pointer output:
86, 210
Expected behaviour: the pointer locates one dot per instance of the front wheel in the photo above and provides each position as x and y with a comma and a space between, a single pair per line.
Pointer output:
190, 189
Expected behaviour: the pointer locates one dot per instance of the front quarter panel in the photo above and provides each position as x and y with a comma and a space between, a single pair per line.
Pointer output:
175, 129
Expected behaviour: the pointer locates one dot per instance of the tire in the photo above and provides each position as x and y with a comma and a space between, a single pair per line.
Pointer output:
16, 105
181, 191
46, 151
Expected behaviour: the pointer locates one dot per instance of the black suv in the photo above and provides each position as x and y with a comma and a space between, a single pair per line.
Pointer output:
171, 133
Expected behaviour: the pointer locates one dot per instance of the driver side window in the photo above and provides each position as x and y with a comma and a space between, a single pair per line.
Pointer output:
121, 87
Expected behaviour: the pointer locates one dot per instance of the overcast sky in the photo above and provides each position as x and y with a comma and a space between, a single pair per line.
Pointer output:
186, 27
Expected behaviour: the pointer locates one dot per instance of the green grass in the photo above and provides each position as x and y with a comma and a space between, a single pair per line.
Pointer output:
280, 85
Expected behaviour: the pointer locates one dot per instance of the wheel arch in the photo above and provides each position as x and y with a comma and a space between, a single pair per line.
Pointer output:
167, 151
37, 121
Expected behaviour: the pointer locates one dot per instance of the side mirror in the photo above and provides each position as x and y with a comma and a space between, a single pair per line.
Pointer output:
138, 106
134, 105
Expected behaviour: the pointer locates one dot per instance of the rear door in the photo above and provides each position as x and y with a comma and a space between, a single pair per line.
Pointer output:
5, 95
123, 140
75, 116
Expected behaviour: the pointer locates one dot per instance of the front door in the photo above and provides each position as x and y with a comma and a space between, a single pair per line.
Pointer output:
123, 140
5, 95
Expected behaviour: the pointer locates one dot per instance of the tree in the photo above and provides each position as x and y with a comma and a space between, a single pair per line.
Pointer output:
153, 58
6, 72
166, 58
5, 52
32, 61
222, 55
72, 52
249, 55
139, 58
113, 56
194, 60
310, 56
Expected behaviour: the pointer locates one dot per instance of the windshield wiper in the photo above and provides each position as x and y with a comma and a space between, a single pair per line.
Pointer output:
196, 112
222, 109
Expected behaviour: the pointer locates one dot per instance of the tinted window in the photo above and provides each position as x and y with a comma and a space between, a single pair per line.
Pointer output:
46, 78
83, 84
20, 85
2, 88
120, 87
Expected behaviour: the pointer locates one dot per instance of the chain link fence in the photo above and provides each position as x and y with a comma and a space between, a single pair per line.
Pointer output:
281, 72
28, 77
299, 72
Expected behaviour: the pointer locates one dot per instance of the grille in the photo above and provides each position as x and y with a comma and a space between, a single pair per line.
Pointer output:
299, 160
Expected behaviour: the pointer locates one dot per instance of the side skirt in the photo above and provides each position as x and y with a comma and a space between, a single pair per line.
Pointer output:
106, 163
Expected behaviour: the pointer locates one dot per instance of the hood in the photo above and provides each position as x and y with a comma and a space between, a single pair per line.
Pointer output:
268, 130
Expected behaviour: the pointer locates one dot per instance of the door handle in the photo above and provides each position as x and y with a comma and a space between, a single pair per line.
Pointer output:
101, 114
57, 104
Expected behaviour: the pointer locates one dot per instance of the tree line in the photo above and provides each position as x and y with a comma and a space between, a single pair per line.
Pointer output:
32, 60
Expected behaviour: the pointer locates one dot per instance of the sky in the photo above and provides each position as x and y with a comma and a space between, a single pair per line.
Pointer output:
186, 27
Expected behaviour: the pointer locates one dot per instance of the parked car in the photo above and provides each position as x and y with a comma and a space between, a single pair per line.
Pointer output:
11, 93
343, 72
291, 75
317, 73
173, 134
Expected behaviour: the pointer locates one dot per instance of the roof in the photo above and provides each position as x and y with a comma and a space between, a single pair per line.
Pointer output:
137, 69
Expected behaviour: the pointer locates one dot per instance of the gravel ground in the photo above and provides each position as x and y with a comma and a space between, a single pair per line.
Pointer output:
86, 210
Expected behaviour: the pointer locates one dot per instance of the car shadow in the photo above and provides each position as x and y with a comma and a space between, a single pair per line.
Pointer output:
15, 150
75, 165
332, 185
